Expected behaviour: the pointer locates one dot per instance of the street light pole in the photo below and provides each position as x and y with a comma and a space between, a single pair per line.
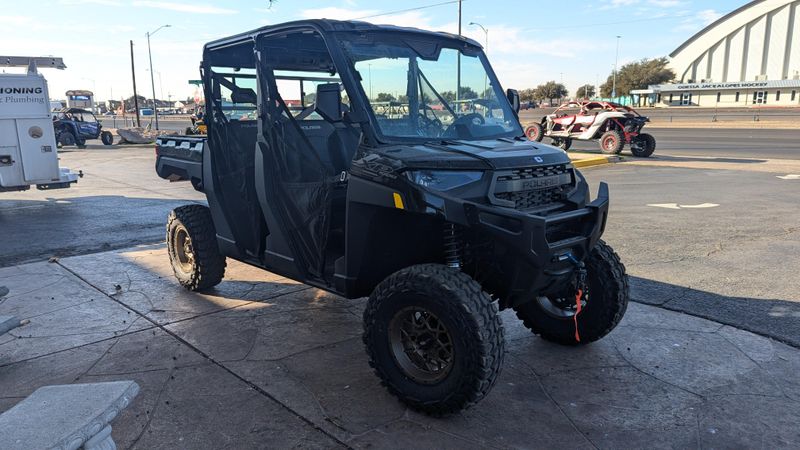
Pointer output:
486, 33
152, 78
616, 61
458, 57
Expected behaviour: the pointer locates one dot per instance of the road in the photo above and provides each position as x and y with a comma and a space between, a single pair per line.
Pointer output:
752, 143
735, 263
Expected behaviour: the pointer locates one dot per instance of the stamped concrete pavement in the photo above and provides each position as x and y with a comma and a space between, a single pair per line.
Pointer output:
262, 361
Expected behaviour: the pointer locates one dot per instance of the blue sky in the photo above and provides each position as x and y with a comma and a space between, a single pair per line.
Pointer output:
530, 42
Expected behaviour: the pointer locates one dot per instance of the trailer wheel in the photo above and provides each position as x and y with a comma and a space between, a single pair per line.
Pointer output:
434, 338
535, 132
645, 145
192, 247
611, 142
602, 305
107, 138
66, 138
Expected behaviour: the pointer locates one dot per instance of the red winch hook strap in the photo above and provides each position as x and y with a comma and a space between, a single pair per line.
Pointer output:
578, 296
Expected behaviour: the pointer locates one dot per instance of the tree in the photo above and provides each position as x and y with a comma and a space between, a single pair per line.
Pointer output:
638, 75
550, 90
585, 91
527, 95
384, 97
467, 93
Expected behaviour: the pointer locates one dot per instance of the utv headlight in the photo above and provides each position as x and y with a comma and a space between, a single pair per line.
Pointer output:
440, 180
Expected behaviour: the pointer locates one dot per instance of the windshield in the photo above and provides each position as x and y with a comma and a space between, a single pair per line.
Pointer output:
416, 91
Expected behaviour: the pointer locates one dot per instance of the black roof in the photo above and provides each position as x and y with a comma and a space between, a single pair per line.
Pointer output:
328, 25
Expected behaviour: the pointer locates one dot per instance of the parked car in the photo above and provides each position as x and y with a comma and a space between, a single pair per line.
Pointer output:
611, 124
74, 126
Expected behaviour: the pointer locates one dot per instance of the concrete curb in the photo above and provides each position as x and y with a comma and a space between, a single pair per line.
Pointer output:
594, 161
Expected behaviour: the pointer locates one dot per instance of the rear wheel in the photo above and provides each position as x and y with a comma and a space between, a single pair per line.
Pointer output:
434, 338
644, 146
602, 305
192, 247
66, 138
107, 138
611, 142
535, 132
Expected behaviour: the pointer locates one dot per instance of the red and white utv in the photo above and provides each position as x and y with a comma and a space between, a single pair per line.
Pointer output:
611, 124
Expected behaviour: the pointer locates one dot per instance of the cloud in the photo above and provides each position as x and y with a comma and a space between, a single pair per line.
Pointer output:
698, 21
667, 3
184, 7
91, 2
333, 12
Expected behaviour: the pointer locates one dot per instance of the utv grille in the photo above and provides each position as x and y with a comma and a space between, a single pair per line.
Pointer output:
534, 172
533, 187
532, 199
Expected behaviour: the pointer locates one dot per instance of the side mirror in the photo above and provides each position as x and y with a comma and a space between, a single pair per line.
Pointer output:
513, 98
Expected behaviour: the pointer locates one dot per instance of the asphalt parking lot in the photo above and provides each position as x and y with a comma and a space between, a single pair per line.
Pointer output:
265, 361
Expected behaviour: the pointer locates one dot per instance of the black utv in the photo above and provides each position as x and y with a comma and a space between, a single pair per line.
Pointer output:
388, 162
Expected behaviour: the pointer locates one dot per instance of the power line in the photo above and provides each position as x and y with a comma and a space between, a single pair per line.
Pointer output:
408, 10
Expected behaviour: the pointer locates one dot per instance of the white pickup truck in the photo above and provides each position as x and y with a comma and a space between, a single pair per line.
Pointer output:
28, 153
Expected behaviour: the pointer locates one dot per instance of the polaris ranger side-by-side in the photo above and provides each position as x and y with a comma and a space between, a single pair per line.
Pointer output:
387, 162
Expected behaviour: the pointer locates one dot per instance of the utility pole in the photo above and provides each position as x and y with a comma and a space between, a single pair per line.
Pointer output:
616, 61
458, 75
135, 96
486, 50
152, 78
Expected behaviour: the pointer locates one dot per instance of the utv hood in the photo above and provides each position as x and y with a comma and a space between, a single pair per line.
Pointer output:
486, 155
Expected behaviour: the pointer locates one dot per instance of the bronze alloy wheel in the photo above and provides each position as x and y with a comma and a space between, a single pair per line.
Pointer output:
183, 249
421, 345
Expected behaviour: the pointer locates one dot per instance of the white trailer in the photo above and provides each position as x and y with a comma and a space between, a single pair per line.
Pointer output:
28, 153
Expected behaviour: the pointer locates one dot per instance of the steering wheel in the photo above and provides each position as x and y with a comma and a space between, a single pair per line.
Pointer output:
425, 122
465, 121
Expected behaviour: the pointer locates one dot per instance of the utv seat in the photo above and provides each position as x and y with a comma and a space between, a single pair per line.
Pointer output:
334, 141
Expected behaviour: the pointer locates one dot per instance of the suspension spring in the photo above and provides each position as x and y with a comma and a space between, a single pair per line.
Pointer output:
452, 246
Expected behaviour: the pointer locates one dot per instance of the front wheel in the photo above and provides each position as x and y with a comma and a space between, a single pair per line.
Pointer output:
535, 132
192, 247
106, 138
434, 338
602, 305
644, 146
563, 143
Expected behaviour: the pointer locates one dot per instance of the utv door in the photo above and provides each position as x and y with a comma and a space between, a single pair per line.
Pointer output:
292, 182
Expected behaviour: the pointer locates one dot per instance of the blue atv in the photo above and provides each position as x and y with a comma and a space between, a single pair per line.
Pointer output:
74, 126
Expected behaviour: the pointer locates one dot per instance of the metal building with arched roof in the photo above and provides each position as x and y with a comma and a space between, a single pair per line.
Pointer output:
750, 56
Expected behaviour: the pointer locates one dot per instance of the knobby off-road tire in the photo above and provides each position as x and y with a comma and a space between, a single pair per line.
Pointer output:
106, 138
451, 301
192, 247
606, 300
647, 145
562, 143
66, 138
535, 132
612, 142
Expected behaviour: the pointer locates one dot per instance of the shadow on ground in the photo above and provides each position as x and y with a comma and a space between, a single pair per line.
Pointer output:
79, 225
778, 319
263, 361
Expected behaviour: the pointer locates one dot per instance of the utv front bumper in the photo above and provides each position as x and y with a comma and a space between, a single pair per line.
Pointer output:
544, 244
